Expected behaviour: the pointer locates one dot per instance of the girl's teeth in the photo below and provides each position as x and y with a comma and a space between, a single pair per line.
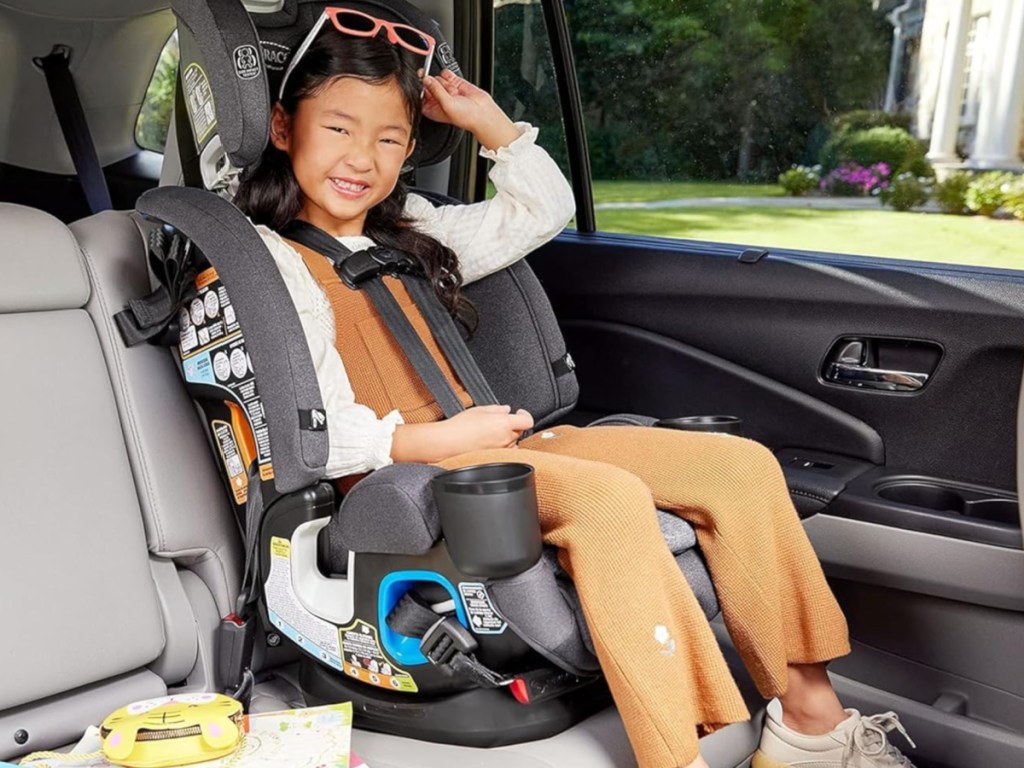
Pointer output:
350, 186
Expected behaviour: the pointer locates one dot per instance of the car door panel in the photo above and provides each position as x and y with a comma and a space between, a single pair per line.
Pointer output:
780, 316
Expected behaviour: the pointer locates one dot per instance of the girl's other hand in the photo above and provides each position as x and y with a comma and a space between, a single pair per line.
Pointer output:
488, 426
450, 99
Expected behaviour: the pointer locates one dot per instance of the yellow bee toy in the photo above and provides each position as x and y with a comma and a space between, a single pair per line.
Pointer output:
173, 730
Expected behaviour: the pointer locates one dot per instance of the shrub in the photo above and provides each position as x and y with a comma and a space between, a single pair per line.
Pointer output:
987, 192
885, 144
951, 193
864, 119
852, 179
1014, 200
905, 191
799, 180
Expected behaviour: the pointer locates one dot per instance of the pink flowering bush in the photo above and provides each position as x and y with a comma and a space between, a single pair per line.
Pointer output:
851, 179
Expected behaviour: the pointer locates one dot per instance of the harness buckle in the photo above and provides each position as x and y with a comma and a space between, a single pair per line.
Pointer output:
365, 265
446, 638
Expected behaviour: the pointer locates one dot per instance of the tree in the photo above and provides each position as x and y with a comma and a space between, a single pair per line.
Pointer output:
706, 88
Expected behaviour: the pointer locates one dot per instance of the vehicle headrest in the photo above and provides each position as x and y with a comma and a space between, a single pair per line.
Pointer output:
232, 63
41, 265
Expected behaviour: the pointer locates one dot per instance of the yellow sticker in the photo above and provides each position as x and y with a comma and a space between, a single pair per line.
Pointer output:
280, 547
365, 661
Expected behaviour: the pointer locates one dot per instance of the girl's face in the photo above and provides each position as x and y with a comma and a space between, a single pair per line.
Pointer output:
347, 145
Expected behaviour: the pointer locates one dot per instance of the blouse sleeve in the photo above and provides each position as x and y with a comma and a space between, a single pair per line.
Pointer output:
358, 440
533, 203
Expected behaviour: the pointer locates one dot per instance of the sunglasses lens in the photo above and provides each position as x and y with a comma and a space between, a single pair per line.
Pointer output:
412, 39
355, 22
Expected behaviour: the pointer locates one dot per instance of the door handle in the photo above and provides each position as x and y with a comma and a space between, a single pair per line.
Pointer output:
856, 375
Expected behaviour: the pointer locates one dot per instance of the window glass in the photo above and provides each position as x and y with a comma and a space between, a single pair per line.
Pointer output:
155, 115
524, 77
851, 126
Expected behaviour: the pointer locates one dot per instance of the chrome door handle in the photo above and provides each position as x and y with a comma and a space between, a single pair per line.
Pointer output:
855, 375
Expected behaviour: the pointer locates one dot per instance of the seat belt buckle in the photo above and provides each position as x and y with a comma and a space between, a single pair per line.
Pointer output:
540, 685
235, 638
446, 638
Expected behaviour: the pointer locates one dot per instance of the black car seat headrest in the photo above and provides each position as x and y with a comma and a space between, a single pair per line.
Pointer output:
232, 63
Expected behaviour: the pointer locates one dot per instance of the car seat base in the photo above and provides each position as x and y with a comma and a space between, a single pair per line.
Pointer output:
479, 717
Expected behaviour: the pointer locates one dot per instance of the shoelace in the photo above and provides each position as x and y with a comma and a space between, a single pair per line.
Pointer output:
871, 739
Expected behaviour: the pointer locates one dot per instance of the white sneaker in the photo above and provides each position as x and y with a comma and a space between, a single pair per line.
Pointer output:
859, 741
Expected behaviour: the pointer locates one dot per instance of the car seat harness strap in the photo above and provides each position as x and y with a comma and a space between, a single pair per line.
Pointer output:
360, 270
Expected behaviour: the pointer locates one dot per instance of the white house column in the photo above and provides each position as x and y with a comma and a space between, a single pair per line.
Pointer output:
997, 144
946, 124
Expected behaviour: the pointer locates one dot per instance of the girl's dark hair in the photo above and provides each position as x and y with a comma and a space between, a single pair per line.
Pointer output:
270, 195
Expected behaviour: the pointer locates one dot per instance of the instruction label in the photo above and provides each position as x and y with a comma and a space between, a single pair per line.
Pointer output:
213, 352
484, 619
199, 97
311, 633
227, 445
365, 661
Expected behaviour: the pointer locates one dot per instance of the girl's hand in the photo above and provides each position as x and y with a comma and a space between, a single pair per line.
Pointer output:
450, 99
488, 426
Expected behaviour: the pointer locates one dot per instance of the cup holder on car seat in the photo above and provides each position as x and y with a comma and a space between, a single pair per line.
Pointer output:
941, 499
489, 518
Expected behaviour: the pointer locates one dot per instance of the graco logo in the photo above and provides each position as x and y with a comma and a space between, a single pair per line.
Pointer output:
275, 55
447, 58
247, 62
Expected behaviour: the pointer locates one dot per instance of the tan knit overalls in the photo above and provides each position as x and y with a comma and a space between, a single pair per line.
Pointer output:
597, 490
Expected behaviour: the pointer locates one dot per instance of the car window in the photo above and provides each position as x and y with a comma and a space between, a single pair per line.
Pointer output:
524, 78
870, 127
155, 115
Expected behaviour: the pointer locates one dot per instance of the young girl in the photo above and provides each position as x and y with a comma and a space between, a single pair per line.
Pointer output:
341, 132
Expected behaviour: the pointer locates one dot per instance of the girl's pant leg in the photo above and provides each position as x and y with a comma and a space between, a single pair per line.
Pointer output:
774, 597
658, 653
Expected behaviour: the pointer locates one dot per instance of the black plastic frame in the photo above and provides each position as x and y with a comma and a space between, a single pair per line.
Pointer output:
572, 113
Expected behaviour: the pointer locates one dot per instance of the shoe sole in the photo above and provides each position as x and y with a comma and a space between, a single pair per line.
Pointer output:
761, 760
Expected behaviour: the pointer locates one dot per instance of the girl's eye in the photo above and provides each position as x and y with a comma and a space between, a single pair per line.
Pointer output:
391, 141
336, 129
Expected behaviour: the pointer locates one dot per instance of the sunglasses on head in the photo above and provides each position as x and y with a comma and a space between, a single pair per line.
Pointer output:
359, 24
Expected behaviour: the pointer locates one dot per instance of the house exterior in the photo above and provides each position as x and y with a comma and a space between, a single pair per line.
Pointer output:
958, 68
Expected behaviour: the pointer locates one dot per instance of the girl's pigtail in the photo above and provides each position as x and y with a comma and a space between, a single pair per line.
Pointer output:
269, 193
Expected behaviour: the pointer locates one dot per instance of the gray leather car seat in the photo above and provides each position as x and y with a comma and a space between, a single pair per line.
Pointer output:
108, 580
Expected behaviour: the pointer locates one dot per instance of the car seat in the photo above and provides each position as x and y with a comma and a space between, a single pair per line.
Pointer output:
366, 590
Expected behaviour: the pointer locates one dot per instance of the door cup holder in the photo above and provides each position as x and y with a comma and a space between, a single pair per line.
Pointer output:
951, 501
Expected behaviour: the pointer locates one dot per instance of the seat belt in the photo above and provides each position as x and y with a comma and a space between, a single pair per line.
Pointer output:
73, 125
443, 640
360, 270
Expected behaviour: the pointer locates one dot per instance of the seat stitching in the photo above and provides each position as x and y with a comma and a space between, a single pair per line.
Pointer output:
122, 379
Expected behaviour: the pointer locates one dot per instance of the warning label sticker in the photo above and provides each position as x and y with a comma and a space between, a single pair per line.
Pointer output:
233, 465
365, 661
484, 619
199, 97
316, 636
213, 352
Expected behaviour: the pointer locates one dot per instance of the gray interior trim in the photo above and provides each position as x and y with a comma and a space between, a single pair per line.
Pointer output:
947, 738
1020, 451
180, 643
185, 508
918, 562
63, 718
41, 267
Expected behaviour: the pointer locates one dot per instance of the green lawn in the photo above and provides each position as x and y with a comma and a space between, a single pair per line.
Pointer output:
974, 241
645, 191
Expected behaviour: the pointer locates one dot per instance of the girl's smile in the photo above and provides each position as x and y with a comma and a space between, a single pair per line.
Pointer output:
347, 145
